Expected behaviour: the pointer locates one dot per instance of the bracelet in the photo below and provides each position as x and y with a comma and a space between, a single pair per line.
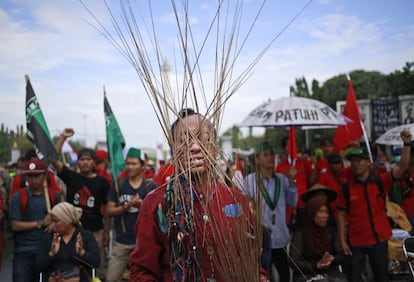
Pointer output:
40, 224
407, 144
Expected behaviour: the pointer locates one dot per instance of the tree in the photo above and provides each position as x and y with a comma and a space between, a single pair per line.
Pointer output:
367, 85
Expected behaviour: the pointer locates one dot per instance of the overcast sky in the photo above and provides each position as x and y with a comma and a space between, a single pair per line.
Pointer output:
69, 61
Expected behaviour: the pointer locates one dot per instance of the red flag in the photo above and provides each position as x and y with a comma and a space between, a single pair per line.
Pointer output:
352, 131
292, 148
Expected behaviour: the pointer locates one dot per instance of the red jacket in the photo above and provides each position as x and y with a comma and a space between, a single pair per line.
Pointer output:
150, 261
360, 230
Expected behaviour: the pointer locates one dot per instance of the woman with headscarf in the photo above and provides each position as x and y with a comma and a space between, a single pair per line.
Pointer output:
70, 252
315, 250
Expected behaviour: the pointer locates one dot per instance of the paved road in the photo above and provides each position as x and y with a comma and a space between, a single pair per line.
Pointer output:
6, 271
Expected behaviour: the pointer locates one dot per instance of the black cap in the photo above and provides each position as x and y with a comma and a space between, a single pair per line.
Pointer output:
87, 152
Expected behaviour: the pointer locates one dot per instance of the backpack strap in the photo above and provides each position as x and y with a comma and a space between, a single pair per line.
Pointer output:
23, 181
381, 189
24, 198
378, 182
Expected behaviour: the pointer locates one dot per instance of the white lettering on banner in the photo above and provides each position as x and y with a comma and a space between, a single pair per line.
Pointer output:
295, 114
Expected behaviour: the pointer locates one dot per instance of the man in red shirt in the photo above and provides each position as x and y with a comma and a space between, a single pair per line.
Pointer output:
327, 147
196, 228
362, 205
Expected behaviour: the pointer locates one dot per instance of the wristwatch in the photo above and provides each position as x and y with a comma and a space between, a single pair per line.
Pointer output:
40, 224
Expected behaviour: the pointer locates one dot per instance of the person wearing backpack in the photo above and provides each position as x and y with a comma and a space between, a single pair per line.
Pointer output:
361, 202
29, 219
124, 202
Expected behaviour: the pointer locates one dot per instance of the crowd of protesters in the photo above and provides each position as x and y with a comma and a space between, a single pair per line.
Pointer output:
324, 217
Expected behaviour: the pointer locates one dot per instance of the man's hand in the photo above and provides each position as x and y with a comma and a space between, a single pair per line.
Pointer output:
105, 238
406, 136
67, 132
346, 248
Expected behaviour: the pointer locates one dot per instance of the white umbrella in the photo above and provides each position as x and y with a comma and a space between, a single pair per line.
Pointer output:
293, 111
392, 136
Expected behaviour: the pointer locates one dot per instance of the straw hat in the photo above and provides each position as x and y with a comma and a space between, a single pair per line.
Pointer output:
318, 188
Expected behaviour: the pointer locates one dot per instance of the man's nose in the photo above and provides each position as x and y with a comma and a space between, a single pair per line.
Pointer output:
195, 145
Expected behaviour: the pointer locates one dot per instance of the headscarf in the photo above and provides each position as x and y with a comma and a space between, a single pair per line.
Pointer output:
67, 212
318, 238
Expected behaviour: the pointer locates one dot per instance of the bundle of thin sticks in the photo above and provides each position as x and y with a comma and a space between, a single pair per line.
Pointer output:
235, 259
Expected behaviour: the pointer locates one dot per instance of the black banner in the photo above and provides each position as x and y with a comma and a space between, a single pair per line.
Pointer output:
385, 115
37, 130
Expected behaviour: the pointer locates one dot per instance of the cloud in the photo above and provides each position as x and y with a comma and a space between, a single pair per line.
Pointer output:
69, 61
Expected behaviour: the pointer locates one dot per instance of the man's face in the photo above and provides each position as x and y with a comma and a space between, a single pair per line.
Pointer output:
86, 164
336, 167
36, 180
359, 165
266, 160
134, 167
194, 146
327, 148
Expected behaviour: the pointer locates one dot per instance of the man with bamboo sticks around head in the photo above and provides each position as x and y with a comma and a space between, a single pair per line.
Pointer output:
29, 218
196, 228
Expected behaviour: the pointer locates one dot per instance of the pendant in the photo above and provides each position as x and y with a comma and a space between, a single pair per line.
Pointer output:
273, 219
211, 280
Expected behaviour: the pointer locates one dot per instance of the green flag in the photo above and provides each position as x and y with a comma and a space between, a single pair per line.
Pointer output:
37, 130
114, 140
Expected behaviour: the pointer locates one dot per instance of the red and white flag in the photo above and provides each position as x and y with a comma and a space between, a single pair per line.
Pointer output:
68, 150
352, 131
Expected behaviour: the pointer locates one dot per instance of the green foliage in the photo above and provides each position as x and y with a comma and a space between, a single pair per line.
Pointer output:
366, 84
12, 139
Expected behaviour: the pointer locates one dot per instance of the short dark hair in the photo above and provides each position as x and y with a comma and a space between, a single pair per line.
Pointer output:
325, 140
182, 114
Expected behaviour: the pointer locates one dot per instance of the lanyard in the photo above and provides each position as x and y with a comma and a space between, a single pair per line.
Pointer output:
269, 202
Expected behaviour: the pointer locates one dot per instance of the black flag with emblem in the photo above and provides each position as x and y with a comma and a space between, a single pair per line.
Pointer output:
37, 130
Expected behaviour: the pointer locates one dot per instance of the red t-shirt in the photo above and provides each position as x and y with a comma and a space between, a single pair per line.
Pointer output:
148, 173
407, 203
150, 259
360, 231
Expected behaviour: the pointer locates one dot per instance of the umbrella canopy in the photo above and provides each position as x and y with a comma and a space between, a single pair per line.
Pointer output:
293, 111
392, 136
